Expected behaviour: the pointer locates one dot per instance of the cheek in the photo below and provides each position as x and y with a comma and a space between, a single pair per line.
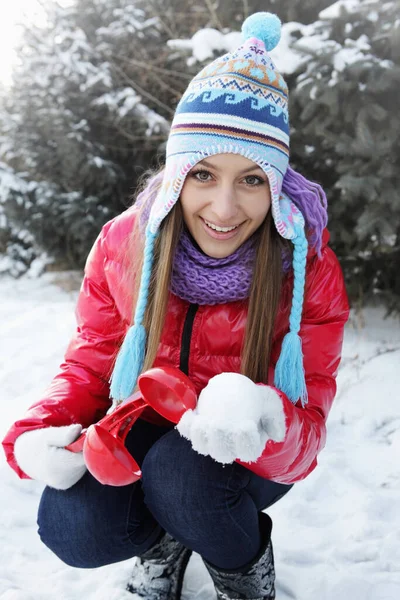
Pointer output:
259, 211
185, 203
191, 202
187, 212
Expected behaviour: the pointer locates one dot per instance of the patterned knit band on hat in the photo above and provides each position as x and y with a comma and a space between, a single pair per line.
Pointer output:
237, 104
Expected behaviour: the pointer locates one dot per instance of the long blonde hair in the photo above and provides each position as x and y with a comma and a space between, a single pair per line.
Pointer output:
264, 292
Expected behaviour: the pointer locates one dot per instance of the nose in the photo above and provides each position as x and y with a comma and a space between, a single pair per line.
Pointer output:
225, 207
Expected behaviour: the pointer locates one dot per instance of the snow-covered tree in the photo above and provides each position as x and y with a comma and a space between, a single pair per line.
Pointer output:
17, 247
75, 123
346, 132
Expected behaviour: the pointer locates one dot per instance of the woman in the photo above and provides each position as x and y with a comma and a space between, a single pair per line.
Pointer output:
224, 259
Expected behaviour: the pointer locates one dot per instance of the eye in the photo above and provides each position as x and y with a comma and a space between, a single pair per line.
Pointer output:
201, 175
254, 180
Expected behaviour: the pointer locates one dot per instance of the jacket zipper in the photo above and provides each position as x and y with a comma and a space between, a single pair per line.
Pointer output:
186, 338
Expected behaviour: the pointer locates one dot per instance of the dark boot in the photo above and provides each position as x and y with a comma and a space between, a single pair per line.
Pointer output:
256, 580
158, 573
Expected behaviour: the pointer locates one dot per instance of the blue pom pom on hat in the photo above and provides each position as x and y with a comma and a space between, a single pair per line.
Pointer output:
236, 104
264, 26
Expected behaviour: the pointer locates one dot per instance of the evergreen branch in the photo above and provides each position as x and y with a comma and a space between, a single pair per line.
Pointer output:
141, 91
213, 14
158, 16
151, 67
137, 138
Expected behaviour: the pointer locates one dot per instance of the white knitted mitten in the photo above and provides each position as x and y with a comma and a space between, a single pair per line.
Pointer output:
41, 455
234, 418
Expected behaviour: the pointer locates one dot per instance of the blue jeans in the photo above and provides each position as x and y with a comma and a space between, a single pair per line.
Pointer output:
210, 508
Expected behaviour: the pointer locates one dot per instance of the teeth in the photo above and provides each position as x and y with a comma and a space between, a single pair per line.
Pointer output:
222, 229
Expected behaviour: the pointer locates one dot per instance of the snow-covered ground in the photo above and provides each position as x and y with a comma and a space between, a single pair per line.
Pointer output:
336, 535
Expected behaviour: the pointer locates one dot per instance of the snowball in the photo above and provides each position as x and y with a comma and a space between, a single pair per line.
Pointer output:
230, 397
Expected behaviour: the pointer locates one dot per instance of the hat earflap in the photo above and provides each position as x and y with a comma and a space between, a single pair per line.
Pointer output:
130, 359
289, 370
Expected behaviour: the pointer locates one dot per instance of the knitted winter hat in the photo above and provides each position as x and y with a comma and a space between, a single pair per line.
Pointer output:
237, 104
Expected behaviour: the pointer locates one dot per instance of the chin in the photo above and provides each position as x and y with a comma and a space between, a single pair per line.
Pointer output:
218, 249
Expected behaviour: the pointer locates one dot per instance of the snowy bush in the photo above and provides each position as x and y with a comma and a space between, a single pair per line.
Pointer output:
17, 247
346, 131
75, 124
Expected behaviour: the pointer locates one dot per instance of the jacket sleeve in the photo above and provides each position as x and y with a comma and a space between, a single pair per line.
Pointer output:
79, 393
325, 313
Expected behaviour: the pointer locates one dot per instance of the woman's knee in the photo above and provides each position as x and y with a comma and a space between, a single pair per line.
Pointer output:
91, 525
165, 470
64, 526
178, 482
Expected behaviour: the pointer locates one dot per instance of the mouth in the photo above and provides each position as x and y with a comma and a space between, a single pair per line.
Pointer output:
220, 233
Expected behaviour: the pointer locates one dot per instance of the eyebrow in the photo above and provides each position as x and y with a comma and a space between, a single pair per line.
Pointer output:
205, 163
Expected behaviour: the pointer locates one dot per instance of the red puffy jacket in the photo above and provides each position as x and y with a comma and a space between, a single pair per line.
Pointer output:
203, 341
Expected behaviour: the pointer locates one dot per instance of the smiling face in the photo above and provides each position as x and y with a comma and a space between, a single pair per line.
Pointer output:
225, 199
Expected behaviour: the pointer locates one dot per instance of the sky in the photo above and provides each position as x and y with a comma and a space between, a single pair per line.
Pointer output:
11, 15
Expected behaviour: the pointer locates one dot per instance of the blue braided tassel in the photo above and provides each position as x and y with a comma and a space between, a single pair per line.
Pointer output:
130, 359
289, 371
129, 363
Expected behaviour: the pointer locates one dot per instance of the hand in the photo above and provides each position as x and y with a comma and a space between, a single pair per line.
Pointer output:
41, 455
234, 418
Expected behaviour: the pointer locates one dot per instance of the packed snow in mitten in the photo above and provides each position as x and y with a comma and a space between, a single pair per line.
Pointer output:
234, 418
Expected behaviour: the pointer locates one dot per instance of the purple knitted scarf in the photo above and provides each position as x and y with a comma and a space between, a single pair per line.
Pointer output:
201, 279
